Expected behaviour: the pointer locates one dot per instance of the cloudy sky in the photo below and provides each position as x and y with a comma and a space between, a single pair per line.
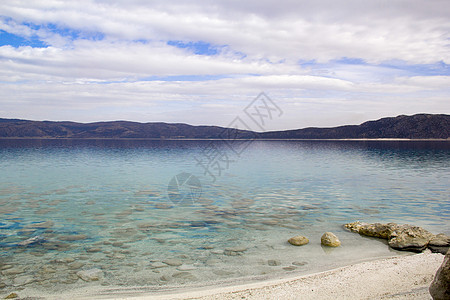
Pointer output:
324, 63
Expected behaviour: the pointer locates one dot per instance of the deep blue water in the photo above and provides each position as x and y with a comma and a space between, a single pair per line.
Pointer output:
135, 203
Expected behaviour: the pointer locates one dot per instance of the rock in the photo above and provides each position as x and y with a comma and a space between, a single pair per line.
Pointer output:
330, 239
184, 275
400, 237
157, 264
273, 262
186, 268
2, 285
93, 250
90, 275
74, 237
30, 241
41, 225
440, 287
412, 238
298, 240
13, 271
290, 268
378, 230
75, 266
440, 243
299, 263
6, 267
12, 296
222, 272
173, 262
23, 280
234, 251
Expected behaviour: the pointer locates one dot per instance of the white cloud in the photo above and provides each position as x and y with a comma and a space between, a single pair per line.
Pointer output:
119, 45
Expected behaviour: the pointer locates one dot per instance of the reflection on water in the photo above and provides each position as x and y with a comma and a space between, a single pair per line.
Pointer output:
77, 210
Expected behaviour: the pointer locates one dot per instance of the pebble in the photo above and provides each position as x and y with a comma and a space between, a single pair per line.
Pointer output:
75, 265
273, 262
13, 271
12, 296
90, 275
157, 264
186, 268
71, 238
222, 272
93, 250
23, 280
184, 275
173, 262
299, 263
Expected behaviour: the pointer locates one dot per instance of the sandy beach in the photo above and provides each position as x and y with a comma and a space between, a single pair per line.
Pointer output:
406, 277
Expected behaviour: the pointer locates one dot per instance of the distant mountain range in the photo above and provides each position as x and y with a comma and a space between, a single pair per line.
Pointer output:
420, 126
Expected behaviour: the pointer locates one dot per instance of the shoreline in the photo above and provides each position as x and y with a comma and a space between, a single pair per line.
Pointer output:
399, 277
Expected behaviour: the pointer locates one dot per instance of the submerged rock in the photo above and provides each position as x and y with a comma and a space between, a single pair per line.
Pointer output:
34, 240
330, 239
440, 287
173, 262
298, 240
90, 275
12, 296
234, 251
400, 237
273, 262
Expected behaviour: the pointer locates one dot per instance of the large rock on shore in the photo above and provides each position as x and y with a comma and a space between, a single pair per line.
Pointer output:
401, 237
410, 238
440, 287
330, 239
440, 243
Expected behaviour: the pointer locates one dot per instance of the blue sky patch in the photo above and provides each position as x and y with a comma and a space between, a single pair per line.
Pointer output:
200, 48
9, 39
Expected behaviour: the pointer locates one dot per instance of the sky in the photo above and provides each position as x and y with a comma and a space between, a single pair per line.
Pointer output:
323, 62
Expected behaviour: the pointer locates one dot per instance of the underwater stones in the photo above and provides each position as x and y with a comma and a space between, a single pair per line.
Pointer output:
41, 225
13, 271
186, 268
173, 262
23, 280
30, 241
117, 244
93, 250
290, 268
75, 265
184, 275
221, 272
298, 240
440, 287
157, 265
73, 237
299, 263
234, 251
64, 260
5, 267
330, 239
273, 262
2, 285
90, 275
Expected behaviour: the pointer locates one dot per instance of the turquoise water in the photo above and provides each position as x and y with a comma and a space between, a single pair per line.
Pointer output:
104, 204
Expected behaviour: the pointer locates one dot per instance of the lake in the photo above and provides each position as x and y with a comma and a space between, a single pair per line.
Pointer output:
164, 214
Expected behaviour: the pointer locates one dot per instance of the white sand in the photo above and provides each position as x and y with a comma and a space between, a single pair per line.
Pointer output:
405, 277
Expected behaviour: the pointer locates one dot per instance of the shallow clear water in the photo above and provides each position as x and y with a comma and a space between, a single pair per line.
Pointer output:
106, 206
